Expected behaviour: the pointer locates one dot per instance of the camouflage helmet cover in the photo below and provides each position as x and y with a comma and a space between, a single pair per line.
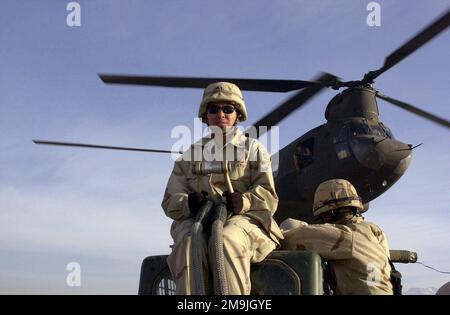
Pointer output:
333, 194
223, 91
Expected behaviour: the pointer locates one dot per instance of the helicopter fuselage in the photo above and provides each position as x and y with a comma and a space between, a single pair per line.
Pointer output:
360, 149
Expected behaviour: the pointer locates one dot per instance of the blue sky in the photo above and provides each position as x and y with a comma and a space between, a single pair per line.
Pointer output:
102, 208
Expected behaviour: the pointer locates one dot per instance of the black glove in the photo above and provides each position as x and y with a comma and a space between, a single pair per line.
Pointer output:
235, 203
196, 201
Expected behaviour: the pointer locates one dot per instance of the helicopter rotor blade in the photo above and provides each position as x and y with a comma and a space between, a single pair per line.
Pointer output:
94, 146
412, 45
415, 110
293, 103
262, 85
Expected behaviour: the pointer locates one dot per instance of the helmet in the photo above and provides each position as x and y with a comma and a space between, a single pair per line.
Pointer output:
223, 91
333, 194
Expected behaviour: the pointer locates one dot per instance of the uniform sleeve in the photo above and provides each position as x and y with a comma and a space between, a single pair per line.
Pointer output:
262, 195
329, 241
175, 203
381, 237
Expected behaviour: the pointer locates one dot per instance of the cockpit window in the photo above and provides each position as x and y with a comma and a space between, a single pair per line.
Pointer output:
355, 128
342, 134
377, 130
359, 128
387, 130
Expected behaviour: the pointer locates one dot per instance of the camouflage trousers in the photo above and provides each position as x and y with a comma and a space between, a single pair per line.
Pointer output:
244, 242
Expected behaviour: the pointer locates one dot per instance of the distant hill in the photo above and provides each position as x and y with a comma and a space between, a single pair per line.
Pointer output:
420, 291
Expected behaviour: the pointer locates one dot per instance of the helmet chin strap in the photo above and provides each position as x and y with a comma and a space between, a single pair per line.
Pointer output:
342, 213
227, 129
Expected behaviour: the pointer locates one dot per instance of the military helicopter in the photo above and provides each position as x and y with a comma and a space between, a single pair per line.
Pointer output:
353, 144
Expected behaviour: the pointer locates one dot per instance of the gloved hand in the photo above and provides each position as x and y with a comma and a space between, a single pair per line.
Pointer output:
235, 203
196, 201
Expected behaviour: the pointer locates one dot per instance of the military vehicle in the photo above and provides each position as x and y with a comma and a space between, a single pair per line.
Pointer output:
283, 272
353, 144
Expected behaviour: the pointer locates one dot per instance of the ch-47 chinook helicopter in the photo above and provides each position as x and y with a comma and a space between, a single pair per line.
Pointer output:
353, 144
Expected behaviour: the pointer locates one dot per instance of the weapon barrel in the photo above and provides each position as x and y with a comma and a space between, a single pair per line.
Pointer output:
403, 256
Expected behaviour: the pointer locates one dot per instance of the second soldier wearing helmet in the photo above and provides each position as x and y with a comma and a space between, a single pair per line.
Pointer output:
336, 201
357, 251
250, 233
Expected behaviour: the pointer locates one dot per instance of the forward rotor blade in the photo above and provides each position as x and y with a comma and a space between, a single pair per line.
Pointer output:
415, 110
262, 85
412, 45
94, 146
293, 103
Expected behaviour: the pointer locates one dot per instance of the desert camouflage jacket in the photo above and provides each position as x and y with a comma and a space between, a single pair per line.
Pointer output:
357, 251
250, 174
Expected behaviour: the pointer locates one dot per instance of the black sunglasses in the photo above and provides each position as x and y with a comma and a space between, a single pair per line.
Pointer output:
214, 109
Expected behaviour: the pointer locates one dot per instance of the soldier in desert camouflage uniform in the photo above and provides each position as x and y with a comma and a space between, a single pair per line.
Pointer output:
357, 251
251, 233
